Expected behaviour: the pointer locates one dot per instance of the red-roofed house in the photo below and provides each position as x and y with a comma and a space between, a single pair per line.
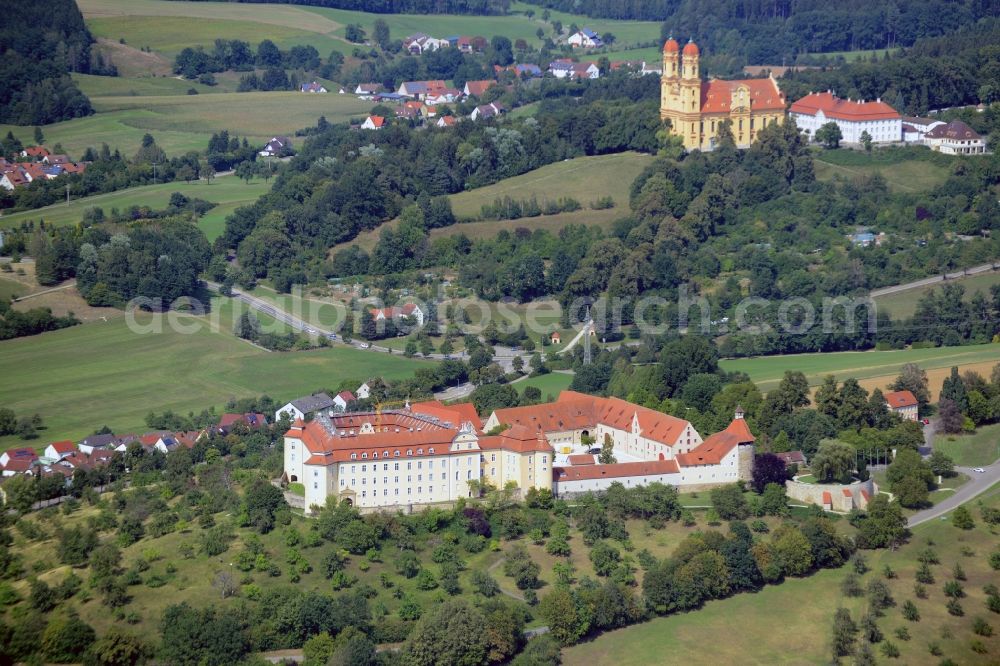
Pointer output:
445, 121
373, 123
853, 117
698, 109
477, 88
343, 399
397, 312
59, 450
17, 461
903, 403
227, 422
35, 152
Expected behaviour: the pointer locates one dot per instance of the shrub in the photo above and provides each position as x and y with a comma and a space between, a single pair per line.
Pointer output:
958, 573
851, 586
954, 608
903, 634
910, 611
978, 647
981, 627
920, 591
890, 650
962, 519
924, 575
954, 589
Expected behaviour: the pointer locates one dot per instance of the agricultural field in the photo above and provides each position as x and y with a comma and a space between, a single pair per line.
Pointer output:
227, 191
83, 377
904, 303
803, 609
871, 368
852, 56
906, 174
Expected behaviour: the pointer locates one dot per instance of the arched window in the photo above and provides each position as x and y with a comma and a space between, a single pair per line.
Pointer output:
354, 456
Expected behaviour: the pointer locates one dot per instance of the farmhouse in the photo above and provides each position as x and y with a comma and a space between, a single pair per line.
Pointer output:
398, 312
59, 450
567, 69
477, 88
300, 408
421, 89
278, 146
342, 400
367, 90
697, 110
17, 461
853, 117
903, 403
373, 123
485, 111
445, 121
955, 138
250, 421
585, 38
312, 88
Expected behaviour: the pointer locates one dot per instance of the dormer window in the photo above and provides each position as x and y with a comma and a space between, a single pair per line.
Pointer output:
430, 451
420, 452
385, 454
409, 452
354, 456
396, 454
364, 455
375, 454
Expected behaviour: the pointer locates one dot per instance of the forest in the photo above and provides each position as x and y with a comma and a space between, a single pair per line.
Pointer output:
40, 44
479, 7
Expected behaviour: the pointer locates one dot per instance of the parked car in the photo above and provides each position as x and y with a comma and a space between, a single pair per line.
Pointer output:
364, 345
979, 469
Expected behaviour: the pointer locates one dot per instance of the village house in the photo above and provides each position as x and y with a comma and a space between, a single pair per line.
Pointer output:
421, 89
955, 138
477, 88
567, 69
342, 400
278, 146
312, 88
363, 391
527, 70
903, 403
59, 450
418, 43
585, 38
446, 121
301, 408
368, 90
35, 152
250, 420
373, 123
411, 310
485, 111
17, 461
882, 123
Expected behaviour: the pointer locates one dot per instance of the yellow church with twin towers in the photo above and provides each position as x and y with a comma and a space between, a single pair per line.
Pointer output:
697, 109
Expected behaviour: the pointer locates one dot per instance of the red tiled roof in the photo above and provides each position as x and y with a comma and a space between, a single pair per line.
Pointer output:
690, 49
64, 446
19, 464
477, 88
900, 399
827, 497
671, 46
377, 121
843, 109
717, 446
581, 459
847, 493
517, 438
764, 94
456, 414
864, 493
617, 470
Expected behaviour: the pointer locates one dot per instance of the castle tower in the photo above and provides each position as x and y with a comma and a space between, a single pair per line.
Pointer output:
690, 81
670, 79
671, 59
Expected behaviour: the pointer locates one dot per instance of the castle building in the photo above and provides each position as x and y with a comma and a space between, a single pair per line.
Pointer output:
697, 109
430, 453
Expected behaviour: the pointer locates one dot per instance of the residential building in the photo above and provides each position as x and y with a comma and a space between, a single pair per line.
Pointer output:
420, 89
477, 88
443, 96
955, 138
313, 88
903, 403
364, 391
882, 123
698, 110
250, 420
446, 121
373, 123
368, 90
278, 146
342, 400
93, 443
528, 70
17, 461
411, 310
793, 458
35, 152
567, 69
300, 408
485, 111
585, 38
59, 450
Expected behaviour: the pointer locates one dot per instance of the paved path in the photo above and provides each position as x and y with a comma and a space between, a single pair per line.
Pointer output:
978, 483
577, 337
984, 268
71, 283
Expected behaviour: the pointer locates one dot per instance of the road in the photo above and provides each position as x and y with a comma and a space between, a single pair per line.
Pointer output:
979, 482
984, 268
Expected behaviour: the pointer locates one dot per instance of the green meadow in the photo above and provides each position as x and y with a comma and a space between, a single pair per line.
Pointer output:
904, 303
99, 373
228, 191
790, 623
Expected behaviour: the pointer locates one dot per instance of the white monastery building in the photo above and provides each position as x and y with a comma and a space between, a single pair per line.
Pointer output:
881, 121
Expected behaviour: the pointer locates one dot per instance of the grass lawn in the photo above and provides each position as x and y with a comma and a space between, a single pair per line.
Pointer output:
874, 366
585, 179
914, 175
550, 384
141, 86
182, 122
851, 56
973, 450
904, 303
804, 608
229, 192
102, 373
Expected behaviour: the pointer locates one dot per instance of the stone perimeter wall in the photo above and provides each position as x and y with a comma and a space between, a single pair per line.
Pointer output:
812, 493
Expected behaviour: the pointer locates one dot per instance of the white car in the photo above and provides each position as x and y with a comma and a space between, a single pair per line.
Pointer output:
979, 469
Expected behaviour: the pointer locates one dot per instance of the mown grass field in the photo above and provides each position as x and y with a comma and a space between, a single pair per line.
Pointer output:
85, 376
790, 623
142, 86
180, 123
228, 191
880, 366
971, 450
915, 175
550, 384
904, 303
852, 56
